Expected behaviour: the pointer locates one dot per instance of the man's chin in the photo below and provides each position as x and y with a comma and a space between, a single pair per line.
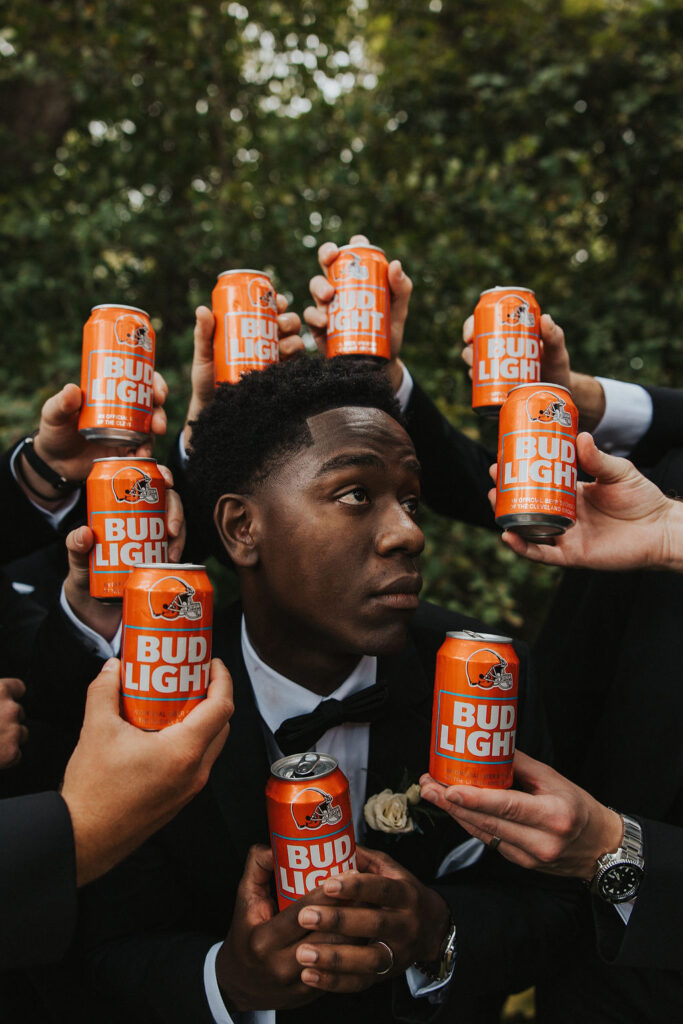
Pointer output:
390, 638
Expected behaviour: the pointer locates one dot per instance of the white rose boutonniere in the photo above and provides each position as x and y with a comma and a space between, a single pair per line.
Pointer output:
392, 812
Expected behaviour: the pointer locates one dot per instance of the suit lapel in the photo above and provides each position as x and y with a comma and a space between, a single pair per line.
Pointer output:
239, 776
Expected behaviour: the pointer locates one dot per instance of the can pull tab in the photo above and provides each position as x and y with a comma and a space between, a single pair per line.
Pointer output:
306, 765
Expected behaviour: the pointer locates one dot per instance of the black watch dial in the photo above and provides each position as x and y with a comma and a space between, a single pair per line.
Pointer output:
620, 882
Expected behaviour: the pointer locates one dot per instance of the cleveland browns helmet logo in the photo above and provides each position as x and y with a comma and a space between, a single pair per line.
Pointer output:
351, 268
260, 296
545, 407
172, 598
131, 485
132, 330
514, 311
324, 812
489, 670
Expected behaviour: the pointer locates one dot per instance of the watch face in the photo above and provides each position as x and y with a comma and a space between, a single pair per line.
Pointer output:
620, 882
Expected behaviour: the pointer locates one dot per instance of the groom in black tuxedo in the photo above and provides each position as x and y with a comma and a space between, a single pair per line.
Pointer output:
314, 499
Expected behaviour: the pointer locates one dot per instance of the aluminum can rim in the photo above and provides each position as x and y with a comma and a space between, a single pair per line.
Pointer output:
179, 566
128, 458
540, 384
361, 245
325, 761
508, 288
244, 270
469, 634
119, 305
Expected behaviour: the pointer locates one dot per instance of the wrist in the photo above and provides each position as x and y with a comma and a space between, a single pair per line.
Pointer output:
436, 912
608, 836
394, 371
589, 398
670, 555
103, 619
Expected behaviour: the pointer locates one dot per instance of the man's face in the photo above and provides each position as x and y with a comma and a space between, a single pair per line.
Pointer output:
337, 539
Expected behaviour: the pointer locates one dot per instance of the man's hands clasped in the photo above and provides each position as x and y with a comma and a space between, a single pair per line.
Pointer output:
357, 929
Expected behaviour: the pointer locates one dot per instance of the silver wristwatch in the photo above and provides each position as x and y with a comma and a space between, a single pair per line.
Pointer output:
442, 967
619, 874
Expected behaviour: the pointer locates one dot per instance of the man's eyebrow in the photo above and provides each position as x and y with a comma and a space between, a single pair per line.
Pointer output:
349, 460
413, 465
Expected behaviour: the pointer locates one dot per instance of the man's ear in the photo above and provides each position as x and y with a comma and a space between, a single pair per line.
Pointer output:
234, 519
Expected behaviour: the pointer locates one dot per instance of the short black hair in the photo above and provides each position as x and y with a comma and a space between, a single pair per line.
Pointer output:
251, 427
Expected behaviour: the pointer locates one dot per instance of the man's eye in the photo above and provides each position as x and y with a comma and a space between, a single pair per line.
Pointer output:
411, 505
357, 496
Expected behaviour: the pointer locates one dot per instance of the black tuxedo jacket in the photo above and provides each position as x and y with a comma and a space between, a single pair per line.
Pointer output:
146, 927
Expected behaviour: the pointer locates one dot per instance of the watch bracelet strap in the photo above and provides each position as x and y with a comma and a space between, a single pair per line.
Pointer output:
45, 472
435, 969
632, 843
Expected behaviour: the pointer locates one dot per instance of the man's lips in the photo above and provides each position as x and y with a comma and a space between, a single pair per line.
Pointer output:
401, 593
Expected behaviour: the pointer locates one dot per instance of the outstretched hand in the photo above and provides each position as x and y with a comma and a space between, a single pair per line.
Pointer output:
322, 293
546, 822
623, 520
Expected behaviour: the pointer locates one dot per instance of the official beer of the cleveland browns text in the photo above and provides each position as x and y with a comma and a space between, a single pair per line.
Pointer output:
536, 486
359, 314
245, 307
506, 346
127, 514
166, 643
311, 827
475, 711
117, 372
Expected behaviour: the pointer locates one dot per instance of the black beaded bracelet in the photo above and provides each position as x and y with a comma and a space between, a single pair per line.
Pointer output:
45, 472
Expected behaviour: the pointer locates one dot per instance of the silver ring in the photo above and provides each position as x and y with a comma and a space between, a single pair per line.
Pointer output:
391, 954
495, 843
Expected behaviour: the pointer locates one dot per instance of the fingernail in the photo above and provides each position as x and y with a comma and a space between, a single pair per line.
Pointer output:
306, 955
308, 918
310, 977
332, 886
110, 663
454, 798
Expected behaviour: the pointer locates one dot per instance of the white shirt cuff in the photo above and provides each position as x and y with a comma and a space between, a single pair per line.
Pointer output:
624, 910
92, 640
215, 999
405, 388
421, 985
627, 418
55, 516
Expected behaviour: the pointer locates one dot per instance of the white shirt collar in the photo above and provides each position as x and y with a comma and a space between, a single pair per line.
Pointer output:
278, 698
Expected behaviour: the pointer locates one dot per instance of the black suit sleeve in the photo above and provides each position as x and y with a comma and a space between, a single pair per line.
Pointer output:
653, 936
455, 469
665, 431
37, 880
22, 521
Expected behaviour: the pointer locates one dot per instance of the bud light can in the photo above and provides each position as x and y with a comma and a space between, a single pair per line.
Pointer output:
506, 346
117, 375
537, 470
127, 513
166, 643
246, 336
359, 315
475, 711
310, 822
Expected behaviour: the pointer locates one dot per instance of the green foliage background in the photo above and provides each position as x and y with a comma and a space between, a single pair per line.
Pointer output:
148, 146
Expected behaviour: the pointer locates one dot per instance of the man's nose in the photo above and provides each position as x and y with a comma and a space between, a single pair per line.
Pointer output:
398, 531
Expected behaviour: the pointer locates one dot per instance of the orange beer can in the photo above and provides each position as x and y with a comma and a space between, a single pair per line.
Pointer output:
127, 513
537, 471
310, 822
245, 307
166, 643
475, 711
507, 345
117, 372
359, 314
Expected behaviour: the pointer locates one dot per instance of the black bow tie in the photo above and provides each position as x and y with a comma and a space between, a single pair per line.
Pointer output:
302, 732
